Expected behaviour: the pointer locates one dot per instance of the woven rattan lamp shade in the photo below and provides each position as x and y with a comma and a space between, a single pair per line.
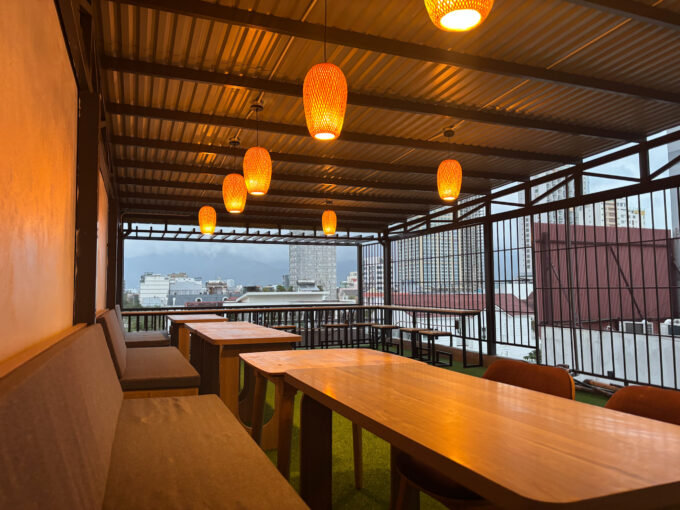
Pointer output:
329, 222
257, 170
458, 15
324, 94
449, 177
207, 220
234, 193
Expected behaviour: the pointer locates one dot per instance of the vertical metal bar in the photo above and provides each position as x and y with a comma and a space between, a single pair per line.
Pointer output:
490, 298
360, 274
387, 278
87, 182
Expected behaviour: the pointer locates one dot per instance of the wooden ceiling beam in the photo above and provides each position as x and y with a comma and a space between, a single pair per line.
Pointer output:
346, 136
635, 10
282, 177
367, 42
360, 99
189, 216
260, 203
277, 192
310, 160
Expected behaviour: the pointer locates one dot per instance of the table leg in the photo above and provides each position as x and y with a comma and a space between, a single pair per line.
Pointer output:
259, 395
174, 334
229, 380
210, 368
246, 395
316, 468
183, 341
358, 456
196, 352
407, 495
285, 407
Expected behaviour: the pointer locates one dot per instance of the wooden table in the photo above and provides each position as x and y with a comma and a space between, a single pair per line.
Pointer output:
515, 447
218, 345
180, 336
273, 366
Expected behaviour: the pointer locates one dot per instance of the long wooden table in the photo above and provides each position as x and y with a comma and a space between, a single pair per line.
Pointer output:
273, 366
179, 334
218, 344
515, 447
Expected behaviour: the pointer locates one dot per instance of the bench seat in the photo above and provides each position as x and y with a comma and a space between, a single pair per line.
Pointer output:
189, 452
70, 441
148, 371
155, 368
147, 339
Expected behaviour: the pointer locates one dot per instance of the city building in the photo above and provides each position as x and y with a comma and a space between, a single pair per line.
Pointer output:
183, 284
315, 263
153, 290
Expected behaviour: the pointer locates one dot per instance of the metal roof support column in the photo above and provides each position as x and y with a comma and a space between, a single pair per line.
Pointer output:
387, 277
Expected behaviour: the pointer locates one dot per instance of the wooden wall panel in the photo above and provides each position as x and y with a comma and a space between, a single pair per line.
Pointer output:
102, 245
38, 123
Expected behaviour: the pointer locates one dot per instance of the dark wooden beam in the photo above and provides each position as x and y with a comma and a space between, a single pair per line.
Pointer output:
304, 159
282, 177
635, 10
399, 104
260, 203
78, 50
112, 254
373, 43
296, 130
87, 182
172, 216
277, 192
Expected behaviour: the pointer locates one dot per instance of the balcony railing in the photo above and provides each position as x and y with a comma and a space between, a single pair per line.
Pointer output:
309, 320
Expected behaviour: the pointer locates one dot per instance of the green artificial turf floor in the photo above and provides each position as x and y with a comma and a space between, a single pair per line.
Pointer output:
376, 457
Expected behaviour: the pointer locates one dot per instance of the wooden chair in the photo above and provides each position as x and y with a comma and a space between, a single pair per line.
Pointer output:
415, 476
647, 401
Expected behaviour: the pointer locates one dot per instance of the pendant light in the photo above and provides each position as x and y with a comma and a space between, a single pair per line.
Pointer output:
234, 193
458, 15
449, 175
329, 221
207, 220
324, 95
257, 164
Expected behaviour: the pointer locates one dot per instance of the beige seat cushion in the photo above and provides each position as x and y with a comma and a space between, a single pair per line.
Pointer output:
147, 339
58, 414
156, 368
190, 452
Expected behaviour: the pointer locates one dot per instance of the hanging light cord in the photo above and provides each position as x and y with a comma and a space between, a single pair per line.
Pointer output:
325, 23
257, 127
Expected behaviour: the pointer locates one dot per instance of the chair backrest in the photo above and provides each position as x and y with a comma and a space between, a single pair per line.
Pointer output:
115, 338
552, 380
656, 403
58, 417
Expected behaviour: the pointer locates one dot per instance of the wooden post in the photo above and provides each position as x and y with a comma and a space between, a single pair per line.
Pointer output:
112, 259
87, 182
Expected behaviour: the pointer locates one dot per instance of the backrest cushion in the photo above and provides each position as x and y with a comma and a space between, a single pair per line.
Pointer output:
120, 318
58, 416
115, 339
647, 401
552, 380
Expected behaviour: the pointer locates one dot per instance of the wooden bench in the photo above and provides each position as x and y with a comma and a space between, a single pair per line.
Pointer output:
70, 441
148, 371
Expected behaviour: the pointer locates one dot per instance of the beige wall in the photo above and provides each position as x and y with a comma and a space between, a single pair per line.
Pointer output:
38, 121
102, 245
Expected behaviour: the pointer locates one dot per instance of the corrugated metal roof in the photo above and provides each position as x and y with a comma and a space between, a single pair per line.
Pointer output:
546, 34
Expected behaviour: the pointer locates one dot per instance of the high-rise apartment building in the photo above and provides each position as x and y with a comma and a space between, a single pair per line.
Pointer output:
313, 262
